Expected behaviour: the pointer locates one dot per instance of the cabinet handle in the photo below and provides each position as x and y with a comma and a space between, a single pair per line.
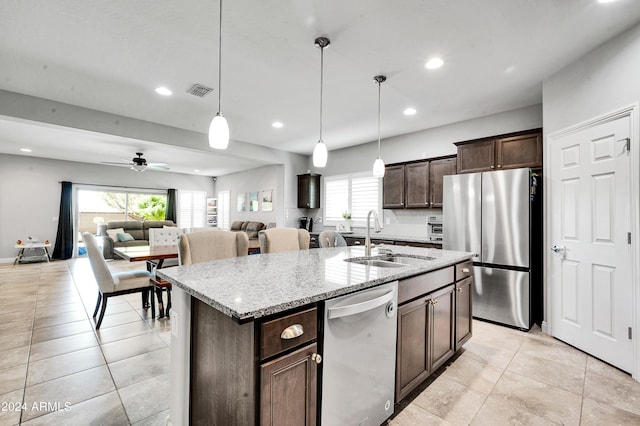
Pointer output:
493, 167
459, 289
316, 357
465, 270
291, 332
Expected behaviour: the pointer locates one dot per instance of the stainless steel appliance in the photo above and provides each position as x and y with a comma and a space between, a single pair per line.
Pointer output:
306, 223
492, 215
359, 357
435, 230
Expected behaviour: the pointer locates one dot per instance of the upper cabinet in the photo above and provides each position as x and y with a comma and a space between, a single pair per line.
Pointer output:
437, 170
523, 149
309, 191
393, 187
417, 184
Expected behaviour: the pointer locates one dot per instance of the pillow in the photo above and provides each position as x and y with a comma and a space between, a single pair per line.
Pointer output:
124, 236
113, 233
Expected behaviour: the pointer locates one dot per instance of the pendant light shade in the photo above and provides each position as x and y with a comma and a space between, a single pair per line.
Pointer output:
378, 168
378, 165
320, 153
219, 132
219, 128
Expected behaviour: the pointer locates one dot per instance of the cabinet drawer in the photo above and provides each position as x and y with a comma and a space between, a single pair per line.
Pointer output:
464, 270
422, 284
300, 328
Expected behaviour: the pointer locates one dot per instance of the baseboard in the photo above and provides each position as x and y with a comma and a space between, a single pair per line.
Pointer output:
544, 327
7, 260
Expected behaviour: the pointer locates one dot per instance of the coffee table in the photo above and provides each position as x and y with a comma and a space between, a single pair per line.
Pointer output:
32, 246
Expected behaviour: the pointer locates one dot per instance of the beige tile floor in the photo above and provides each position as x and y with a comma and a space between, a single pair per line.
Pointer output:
51, 357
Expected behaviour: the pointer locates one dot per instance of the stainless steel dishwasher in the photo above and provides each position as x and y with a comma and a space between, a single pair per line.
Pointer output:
358, 375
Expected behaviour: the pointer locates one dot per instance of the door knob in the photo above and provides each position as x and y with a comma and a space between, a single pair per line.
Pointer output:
557, 249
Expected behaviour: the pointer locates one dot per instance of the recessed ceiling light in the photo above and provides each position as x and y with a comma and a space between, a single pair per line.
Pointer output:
606, 1
409, 111
277, 124
434, 63
196, 170
163, 91
25, 149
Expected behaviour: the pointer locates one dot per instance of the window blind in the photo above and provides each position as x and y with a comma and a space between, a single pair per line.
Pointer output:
354, 193
224, 200
192, 209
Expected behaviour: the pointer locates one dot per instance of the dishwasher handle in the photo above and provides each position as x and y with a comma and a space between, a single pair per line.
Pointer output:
358, 308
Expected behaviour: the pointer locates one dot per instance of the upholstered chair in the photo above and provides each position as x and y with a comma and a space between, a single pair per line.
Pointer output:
196, 247
275, 240
331, 239
114, 284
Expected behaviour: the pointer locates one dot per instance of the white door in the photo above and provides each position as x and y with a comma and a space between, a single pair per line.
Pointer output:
590, 268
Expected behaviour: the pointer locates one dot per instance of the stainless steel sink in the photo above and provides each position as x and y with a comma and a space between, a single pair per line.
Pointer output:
391, 260
407, 259
376, 262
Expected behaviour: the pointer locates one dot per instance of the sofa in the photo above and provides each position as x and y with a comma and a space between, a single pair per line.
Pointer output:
137, 233
251, 229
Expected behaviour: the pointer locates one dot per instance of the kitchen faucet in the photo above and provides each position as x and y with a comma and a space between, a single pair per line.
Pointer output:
367, 242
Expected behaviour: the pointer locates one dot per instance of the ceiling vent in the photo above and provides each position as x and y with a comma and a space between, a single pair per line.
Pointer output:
199, 90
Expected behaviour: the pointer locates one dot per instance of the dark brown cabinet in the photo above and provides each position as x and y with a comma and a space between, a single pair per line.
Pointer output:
426, 327
437, 170
464, 313
393, 187
309, 191
417, 184
522, 149
288, 393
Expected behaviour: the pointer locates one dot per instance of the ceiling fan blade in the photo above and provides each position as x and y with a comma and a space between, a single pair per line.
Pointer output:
158, 166
114, 163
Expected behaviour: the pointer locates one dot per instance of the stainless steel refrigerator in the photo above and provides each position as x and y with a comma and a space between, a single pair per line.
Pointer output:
492, 214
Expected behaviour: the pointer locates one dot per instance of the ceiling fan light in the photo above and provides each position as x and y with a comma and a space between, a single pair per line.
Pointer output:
378, 168
219, 132
139, 167
320, 154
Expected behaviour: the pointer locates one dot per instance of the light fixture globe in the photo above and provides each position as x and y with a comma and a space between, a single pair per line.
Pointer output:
320, 154
378, 168
219, 132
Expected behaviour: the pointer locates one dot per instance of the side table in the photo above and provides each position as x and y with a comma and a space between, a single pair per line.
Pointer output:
33, 246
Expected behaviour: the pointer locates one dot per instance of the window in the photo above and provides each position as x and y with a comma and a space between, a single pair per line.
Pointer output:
193, 209
224, 198
356, 193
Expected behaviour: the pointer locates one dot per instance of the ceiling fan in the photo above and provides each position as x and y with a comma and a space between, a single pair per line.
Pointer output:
139, 164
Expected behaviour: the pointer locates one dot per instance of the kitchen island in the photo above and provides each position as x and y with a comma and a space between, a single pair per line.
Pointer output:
228, 315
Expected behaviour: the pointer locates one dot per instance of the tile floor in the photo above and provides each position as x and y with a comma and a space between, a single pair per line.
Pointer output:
62, 371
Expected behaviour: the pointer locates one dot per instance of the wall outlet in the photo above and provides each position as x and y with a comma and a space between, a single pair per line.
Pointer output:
54, 219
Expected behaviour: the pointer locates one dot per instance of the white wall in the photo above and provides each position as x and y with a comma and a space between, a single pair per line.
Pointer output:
30, 192
604, 80
281, 178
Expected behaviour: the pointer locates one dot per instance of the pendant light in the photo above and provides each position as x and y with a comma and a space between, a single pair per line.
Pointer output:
378, 165
219, 129
320, 151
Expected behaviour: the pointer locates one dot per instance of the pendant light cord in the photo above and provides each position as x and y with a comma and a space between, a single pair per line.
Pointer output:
321, 80
220, 62
379, 115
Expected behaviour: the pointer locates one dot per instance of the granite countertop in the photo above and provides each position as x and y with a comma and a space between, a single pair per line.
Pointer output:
250, 287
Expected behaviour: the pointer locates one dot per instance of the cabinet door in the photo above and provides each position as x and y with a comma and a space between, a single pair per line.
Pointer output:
309, 191
437, 170
476, 156
417, 184
442, 333
411, 359
463, 311
393, 187
519, 151
289, 389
